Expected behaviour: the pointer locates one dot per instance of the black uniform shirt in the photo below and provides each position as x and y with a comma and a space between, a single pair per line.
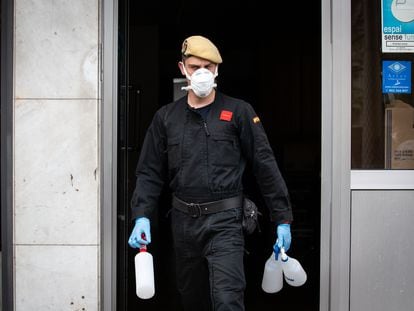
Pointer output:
203, 158
203, 111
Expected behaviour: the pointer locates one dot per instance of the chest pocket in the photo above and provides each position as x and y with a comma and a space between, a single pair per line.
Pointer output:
224, 150
173, 150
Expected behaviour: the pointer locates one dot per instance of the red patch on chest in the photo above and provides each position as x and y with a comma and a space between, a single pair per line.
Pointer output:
226, 115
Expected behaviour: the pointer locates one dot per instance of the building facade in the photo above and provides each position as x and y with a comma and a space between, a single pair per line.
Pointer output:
59, 134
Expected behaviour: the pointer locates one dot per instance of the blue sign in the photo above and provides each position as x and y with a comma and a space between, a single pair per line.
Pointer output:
396, 76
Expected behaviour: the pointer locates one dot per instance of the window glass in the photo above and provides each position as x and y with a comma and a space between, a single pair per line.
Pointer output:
382, 134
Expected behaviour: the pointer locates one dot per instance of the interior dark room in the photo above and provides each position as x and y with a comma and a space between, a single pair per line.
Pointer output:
268, 63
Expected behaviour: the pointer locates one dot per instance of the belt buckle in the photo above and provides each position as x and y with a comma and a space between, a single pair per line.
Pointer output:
194, 209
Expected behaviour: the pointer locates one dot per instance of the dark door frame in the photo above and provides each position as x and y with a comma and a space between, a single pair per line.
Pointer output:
108, 152
7, 20
335, 166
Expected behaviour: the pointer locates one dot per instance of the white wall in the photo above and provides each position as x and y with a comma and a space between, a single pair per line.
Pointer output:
56, 169
382, 250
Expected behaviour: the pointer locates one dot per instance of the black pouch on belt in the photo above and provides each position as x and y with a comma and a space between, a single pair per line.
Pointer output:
250, 216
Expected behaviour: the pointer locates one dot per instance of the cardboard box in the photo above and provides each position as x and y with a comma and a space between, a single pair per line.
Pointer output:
399, 136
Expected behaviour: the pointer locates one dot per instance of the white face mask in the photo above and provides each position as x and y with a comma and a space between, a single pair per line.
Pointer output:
202, 81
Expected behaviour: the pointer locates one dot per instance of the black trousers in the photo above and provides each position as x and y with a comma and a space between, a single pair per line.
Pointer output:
209, 260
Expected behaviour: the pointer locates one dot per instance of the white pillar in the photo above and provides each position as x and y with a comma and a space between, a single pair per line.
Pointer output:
56, 167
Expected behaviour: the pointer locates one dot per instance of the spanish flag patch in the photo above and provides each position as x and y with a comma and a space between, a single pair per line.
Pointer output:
226, 115
256, 119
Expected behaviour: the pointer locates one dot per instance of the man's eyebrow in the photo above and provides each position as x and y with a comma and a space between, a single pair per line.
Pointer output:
200, 65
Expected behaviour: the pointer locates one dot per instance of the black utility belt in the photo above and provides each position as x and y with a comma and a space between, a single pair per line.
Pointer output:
198, 209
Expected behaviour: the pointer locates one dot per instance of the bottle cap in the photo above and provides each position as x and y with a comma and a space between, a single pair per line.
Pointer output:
143, 247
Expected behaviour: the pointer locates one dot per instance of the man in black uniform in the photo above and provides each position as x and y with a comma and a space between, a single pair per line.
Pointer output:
199, 145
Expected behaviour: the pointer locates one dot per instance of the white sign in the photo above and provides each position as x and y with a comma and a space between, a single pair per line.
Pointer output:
397, 26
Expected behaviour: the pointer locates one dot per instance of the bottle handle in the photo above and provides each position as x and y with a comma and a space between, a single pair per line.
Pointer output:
283, 255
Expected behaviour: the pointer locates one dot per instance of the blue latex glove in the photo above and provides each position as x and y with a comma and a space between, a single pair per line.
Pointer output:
142, 226
283, 239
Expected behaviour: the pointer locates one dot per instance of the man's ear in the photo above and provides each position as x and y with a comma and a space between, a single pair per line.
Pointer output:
181, 66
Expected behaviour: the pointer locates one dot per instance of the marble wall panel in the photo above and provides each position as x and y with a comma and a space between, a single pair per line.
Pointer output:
56, 278
56, 48
56, 172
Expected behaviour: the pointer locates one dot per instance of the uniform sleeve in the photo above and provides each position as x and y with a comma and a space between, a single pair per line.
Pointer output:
151, 169
259, 154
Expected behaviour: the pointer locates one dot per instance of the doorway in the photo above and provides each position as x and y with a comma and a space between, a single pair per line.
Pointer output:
266, 63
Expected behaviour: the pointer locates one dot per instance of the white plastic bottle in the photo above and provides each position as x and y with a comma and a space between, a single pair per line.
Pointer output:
272, 281
293, 271
144, 274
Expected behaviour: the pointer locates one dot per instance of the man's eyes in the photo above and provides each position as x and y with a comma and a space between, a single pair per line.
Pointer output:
209, 67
